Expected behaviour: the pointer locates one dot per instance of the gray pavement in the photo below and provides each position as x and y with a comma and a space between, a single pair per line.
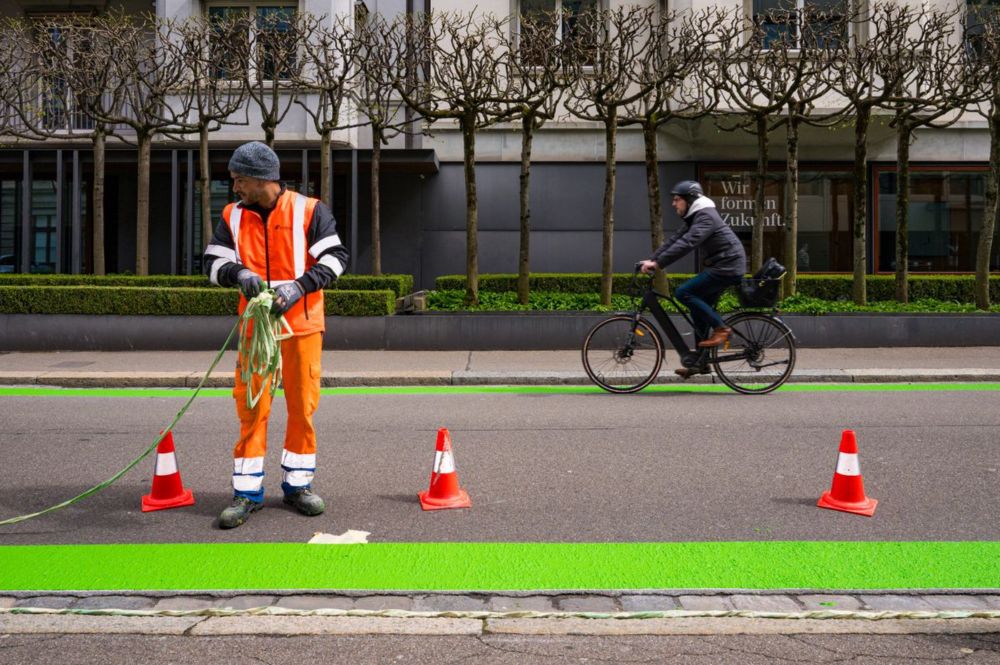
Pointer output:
374, 368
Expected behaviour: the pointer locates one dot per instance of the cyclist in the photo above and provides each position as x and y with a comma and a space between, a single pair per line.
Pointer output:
724, 262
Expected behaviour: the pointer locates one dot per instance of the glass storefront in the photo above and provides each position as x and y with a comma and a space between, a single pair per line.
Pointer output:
826, 210
946, 210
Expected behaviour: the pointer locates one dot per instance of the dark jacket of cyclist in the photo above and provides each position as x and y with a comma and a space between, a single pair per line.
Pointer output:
722, 255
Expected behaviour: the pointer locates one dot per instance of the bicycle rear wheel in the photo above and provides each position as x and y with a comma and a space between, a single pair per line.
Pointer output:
759, 355
622, 355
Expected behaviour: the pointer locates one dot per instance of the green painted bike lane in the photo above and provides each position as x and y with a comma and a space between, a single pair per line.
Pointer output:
502, 566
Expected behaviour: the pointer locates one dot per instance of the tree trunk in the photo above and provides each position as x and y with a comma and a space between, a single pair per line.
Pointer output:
205, 178
376, 202
471, 211
903, 137
607, 246
792, 199
653, 197
991, 211
859, 291
98, 202
757, 238
524, 252
142, 207
325, 182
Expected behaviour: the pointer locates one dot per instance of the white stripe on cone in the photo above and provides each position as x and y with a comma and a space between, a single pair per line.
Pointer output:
166, 464
444, 462
848, 465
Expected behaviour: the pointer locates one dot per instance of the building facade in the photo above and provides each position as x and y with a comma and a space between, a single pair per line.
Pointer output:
46, 211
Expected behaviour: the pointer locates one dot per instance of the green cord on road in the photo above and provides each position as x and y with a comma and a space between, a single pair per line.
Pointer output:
260, 338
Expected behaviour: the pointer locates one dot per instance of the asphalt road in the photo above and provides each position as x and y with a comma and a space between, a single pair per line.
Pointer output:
539, 467
503, 649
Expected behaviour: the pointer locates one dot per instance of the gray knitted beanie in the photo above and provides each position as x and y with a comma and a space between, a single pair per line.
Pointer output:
255, 160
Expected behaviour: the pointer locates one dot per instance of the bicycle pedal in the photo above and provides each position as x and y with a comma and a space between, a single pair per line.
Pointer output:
725, 345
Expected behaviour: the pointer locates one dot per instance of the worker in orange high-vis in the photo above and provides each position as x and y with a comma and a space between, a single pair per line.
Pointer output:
286, 241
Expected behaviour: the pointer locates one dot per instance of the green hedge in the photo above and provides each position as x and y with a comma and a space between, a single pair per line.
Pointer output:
179, 301
400, 285
958, 288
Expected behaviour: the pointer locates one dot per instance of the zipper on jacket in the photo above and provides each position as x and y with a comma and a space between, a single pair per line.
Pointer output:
267, 252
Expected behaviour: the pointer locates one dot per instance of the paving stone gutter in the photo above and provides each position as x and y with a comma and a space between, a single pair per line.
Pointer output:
586, 612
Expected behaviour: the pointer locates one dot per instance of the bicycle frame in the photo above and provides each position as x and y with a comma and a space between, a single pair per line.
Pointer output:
651, 303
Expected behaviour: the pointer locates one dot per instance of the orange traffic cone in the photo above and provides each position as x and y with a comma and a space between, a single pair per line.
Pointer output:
848, 490
444, 491
168, 492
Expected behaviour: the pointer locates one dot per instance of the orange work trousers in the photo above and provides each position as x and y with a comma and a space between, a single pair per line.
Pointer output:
300, 376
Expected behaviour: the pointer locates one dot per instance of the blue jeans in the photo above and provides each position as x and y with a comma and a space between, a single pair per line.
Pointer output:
700, 294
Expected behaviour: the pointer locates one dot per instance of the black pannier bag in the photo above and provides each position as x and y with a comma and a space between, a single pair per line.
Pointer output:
761, 290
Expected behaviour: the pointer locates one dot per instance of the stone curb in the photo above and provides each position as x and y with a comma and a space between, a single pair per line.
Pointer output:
93, 379
553, 601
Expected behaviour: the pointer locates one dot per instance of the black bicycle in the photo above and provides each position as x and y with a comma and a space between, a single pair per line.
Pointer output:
624, 353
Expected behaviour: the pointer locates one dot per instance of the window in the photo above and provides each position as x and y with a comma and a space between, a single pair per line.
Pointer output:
801, 22
826, 212
567, 13
946, 211
266, 27
65, 45
977, 14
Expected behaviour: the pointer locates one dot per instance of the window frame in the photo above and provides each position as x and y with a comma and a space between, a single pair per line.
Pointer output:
600, 5
795, 20
251, 7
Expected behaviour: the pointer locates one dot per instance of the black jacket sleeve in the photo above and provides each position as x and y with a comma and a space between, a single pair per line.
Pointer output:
324, 246
684, 240
219, 260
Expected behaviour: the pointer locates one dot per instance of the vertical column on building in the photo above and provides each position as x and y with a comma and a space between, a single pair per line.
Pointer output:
354, 209
26, 212
174, 211
59, 212
189, 212
76, 262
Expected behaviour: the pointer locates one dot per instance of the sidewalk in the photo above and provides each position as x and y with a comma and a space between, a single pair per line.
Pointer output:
399, 368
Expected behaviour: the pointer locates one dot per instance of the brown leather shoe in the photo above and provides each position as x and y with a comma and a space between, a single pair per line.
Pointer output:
719, 336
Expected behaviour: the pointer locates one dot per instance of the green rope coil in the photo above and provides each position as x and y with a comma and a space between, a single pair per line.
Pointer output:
260, 346
260, 339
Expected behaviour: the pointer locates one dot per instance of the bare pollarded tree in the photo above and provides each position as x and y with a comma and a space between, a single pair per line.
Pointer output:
326, 76
150, 75
821, 28
376, 101
679, 84
66, 84
759, 80
209, 93
607, 49
983, 38
859, 74
933, 90
538, 72
454, 70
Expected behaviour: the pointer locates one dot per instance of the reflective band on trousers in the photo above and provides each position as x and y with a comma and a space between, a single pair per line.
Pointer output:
166, 464
444, 462
847, 465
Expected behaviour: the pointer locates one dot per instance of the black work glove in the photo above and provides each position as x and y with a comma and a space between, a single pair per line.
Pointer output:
285, 296
250, 283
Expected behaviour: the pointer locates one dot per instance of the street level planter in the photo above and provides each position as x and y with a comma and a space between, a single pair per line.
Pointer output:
473, 331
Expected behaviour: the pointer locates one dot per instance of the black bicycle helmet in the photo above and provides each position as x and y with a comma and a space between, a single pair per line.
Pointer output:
689, 190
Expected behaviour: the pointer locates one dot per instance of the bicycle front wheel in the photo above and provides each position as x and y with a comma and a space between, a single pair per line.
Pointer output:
759, 355
622, 355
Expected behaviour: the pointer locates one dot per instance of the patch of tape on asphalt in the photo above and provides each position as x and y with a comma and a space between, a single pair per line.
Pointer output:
349, 537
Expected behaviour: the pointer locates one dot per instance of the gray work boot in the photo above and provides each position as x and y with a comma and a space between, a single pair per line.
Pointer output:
237, 512
306, 502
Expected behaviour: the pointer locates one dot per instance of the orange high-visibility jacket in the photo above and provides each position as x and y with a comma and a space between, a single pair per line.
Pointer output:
298, 242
